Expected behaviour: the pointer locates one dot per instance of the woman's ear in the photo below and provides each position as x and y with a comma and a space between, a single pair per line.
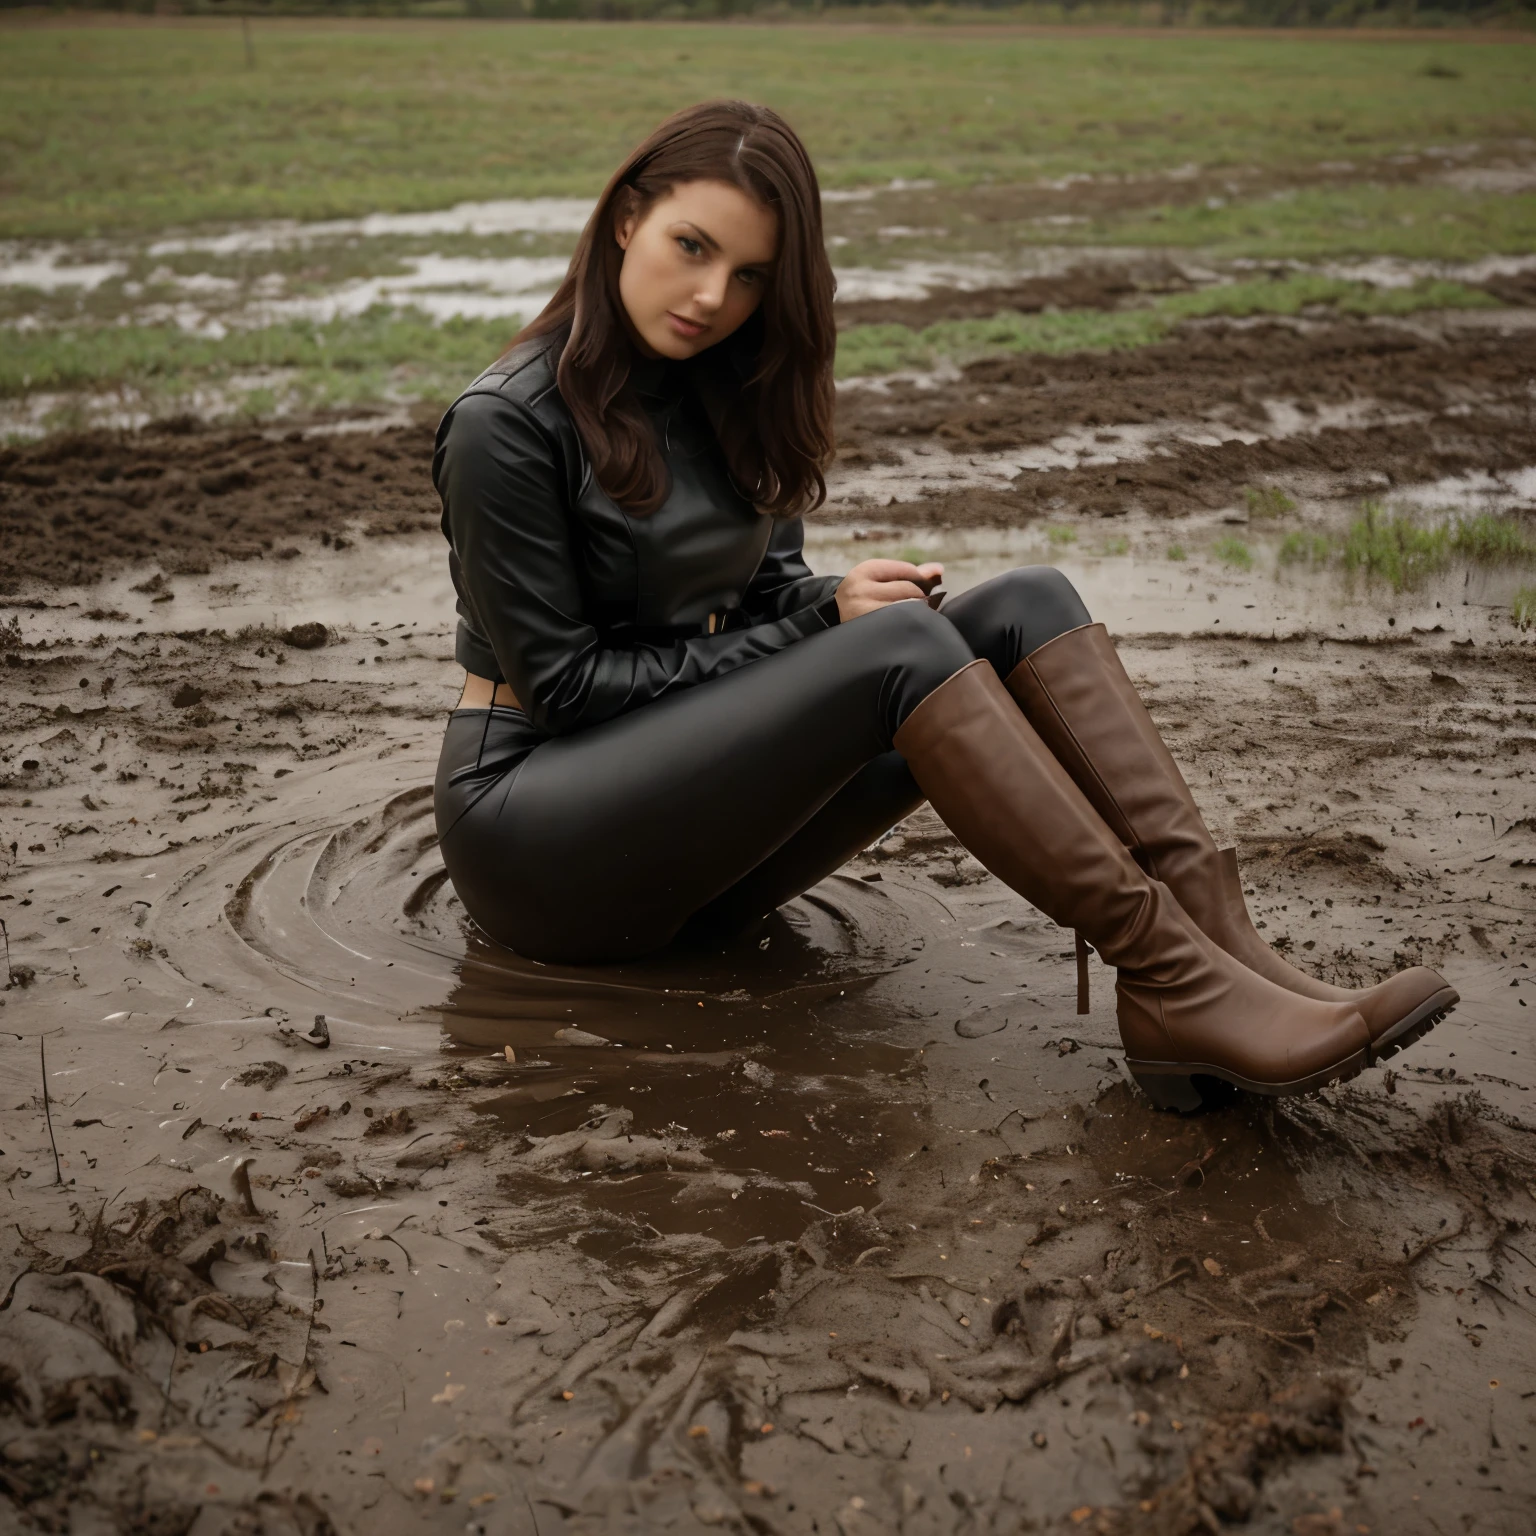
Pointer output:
624, 218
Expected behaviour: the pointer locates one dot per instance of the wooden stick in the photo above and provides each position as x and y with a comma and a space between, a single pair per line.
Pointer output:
42, 1056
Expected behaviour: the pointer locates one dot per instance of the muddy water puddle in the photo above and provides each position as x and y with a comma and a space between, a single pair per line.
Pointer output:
734, 1093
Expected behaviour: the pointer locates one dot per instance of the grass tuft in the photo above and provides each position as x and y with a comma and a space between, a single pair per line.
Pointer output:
1523, 609
1060, 537
1176, 552
1267, 501
1393, 546
1309, 548
1232, 551
1493, 540
1402, 550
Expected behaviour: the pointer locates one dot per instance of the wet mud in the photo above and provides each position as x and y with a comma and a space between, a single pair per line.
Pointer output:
1349, 408
1363, 407
325, 1215
77, 506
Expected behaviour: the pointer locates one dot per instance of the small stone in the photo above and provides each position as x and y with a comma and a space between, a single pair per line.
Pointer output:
306, 637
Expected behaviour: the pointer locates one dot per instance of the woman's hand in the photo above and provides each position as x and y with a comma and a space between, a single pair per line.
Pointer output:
872, 584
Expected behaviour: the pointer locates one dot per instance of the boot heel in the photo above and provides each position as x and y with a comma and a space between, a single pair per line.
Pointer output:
1183, 1093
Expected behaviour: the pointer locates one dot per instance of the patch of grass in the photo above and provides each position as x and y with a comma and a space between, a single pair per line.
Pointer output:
1059, 537
1176, 552
1492, 540
1305, 547
403, 354
1306, 290
873, 349
913, 555
112, 127
1118, 545
1231, 550
1523, 609
1267, 501
1424, 222
1395, 547
365, 357
1402, 550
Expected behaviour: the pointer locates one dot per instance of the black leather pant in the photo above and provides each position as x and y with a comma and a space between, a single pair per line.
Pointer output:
710, 807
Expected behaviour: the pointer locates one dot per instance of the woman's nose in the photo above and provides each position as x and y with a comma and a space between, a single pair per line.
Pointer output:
710, 294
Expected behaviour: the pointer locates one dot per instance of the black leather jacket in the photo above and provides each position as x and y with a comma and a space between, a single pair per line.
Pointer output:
583, 610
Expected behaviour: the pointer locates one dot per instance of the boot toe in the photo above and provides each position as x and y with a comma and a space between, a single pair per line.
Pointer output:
1400, 1008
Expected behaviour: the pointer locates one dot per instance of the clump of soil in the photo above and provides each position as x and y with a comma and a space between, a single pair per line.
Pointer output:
75, 507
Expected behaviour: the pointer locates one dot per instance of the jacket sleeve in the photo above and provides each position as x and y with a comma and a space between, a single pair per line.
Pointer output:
784, 583
500, 474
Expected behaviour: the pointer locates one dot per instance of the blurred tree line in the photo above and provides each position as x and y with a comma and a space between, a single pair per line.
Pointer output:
1253, 13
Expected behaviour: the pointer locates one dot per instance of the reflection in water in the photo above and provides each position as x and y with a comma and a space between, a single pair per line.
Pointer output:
733, 1091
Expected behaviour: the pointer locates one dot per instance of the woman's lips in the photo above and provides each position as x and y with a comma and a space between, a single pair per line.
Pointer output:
689, 328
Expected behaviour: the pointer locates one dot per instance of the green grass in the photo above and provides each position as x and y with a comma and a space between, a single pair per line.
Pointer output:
1118, 545
1305, 290
1301, 547
389, 353
874, 349
1420, 223
1523, 609
1402, 550
1232, 551
1268, 501
1059, 537
369, 357
1176, 552
138, 126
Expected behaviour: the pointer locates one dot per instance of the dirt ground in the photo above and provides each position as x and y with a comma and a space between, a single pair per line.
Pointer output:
854, 1226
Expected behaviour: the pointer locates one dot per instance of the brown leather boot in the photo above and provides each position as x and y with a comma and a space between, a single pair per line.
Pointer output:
1187, 1009
1077, 696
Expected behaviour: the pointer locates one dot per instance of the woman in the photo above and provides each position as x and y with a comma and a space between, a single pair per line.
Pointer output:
669, 722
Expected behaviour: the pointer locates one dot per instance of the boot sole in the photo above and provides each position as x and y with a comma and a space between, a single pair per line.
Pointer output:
1187, 1087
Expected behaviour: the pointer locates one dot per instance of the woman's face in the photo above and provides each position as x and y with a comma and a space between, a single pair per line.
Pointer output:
695, 266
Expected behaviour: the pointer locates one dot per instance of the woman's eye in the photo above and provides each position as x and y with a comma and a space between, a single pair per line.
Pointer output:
692, 247
749, 276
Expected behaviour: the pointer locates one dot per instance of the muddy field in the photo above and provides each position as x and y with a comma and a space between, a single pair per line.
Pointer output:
326, 1216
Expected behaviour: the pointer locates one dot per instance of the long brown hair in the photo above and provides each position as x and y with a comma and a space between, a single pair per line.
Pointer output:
768, 386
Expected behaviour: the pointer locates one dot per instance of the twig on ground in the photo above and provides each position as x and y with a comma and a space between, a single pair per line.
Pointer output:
42, 1056
1434, 1242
